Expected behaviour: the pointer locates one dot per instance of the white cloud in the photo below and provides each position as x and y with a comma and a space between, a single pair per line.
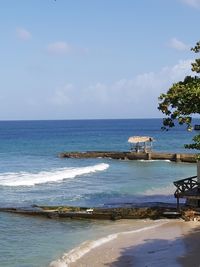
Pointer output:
63, 48
62, 96
193, 3
23, 34
136, 97
59, 48
178, 45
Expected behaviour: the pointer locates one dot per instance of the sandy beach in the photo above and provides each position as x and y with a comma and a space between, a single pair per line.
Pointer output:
173, 243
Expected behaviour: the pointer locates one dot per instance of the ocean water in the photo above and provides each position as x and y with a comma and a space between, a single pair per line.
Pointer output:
32, 173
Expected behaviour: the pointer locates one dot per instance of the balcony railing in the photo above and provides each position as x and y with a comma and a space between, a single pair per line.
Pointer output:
186, 185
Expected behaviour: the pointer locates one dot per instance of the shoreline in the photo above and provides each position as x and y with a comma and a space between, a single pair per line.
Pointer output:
156, 243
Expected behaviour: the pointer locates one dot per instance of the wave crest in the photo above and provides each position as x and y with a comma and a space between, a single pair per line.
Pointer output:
56, 175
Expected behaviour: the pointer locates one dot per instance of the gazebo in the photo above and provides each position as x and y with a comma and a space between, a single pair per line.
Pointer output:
141, 143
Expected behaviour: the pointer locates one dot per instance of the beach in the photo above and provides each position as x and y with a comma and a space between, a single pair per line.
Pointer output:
163, 243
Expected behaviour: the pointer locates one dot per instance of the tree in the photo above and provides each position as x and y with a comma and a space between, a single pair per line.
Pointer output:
182, 101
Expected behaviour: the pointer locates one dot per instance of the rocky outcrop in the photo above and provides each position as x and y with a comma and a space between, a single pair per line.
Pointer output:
151, 211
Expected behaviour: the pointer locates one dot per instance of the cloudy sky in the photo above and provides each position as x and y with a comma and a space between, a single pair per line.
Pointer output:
88, 59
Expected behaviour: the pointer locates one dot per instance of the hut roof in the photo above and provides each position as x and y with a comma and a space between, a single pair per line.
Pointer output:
140, 139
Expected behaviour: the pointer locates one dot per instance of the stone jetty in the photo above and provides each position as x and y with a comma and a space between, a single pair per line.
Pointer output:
176, 157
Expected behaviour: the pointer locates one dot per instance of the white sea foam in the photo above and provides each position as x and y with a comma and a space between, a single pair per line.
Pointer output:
56, 175
152, 160
84, 248
167, 190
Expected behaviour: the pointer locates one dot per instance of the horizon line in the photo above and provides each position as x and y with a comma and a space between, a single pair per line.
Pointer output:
81, 119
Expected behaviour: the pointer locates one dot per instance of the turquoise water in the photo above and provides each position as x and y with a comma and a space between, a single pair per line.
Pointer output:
32, 173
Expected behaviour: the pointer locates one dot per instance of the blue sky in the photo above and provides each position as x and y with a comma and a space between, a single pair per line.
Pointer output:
92, 59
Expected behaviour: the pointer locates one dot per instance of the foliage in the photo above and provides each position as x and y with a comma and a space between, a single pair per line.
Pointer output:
182, 101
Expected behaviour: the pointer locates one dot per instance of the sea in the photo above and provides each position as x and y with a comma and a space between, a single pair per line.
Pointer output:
31, 173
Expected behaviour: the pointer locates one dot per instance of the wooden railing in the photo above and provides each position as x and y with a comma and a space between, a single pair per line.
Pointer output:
186, 185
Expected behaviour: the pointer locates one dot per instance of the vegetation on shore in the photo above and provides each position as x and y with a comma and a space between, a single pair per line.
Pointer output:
182, 101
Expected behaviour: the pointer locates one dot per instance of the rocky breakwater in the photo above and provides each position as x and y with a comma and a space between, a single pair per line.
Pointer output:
177, 157
148, 210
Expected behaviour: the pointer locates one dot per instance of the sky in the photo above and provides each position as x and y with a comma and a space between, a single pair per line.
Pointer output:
92, 59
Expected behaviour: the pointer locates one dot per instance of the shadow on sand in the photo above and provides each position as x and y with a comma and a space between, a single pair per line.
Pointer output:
182, 251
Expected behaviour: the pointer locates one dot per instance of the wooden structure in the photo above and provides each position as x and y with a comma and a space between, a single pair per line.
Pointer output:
188, 188
141, 143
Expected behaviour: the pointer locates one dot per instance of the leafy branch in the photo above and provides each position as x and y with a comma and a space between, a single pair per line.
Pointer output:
182, 101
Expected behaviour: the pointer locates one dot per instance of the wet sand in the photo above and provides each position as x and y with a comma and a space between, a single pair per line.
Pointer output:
174, 243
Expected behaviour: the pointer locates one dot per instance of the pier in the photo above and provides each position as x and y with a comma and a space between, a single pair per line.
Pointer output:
176, 157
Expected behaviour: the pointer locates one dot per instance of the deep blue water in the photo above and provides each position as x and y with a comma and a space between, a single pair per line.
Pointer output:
32, 173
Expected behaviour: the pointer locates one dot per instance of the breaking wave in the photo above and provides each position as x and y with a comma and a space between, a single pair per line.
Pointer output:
56, 175
84, 248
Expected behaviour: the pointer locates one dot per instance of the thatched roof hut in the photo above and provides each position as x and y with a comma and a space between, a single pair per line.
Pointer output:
142, 143
140, 139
